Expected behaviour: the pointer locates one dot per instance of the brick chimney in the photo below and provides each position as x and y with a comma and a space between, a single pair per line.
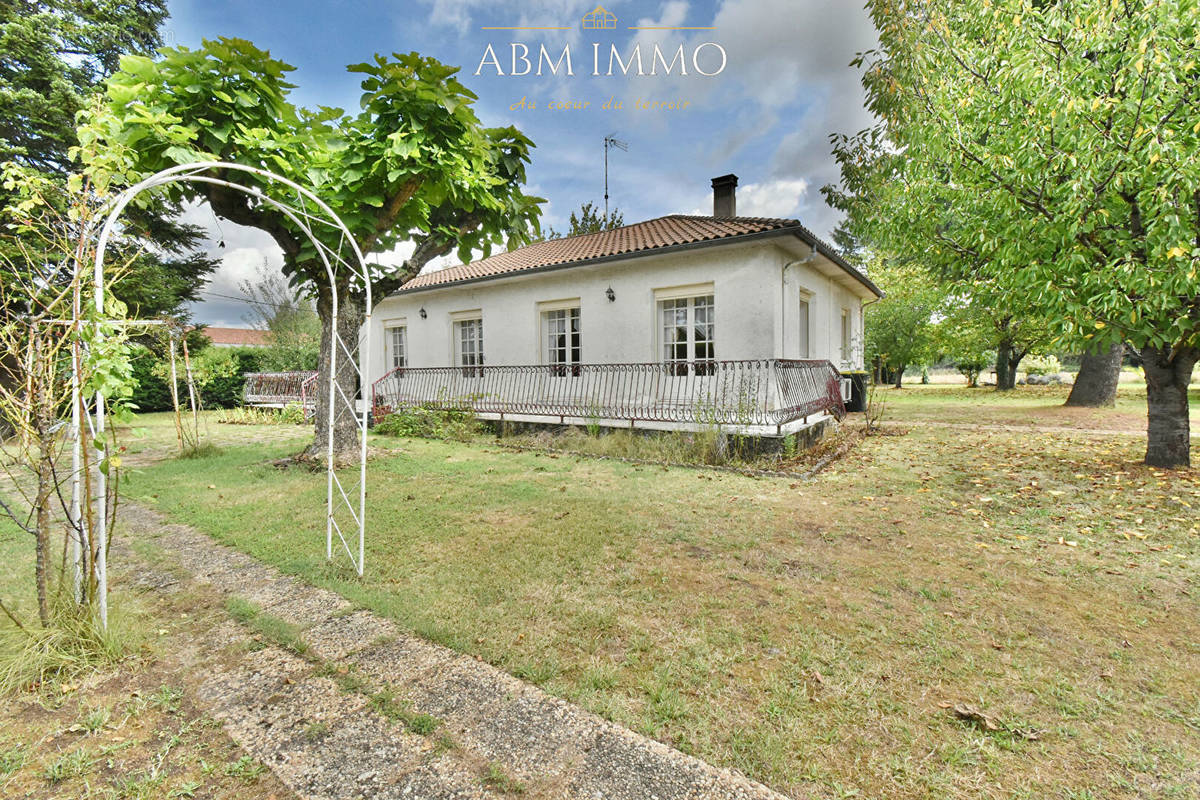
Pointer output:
725, 196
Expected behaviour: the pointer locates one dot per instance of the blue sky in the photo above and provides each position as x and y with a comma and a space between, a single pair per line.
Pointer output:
767, 117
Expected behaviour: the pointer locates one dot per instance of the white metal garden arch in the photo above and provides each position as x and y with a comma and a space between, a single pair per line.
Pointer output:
309, 213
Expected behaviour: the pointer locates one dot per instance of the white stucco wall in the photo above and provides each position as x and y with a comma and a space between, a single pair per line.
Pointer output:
755, 309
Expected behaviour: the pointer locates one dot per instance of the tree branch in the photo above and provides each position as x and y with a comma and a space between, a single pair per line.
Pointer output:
235, 207
391, 210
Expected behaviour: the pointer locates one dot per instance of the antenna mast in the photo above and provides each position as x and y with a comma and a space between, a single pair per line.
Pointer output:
624, 146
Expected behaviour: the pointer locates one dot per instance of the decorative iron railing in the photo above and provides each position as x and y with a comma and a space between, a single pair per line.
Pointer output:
744, 393
279, 388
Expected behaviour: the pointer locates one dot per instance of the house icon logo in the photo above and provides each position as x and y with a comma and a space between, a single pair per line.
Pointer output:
599, 19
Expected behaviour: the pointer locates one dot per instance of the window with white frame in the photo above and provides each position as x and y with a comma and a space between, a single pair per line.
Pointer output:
562, 339
468, 346
397, 346
846, 337
688, 327
802, 317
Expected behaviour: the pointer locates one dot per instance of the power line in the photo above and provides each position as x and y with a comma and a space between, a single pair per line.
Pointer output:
239, 299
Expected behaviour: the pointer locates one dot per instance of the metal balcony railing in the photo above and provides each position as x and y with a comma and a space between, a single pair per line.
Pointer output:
279, 388
766, 392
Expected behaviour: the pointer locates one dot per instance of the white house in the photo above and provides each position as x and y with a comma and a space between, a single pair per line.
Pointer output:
675, 321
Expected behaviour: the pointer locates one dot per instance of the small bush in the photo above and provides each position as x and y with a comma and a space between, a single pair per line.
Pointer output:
706, 447
200, 450
291, 414
226, 378
1041, 365
430, 423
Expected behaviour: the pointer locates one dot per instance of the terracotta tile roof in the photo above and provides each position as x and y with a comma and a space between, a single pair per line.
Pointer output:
655, 234
236, 337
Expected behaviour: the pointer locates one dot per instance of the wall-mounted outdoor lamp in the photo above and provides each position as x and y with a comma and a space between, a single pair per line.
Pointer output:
422, 312
610, 294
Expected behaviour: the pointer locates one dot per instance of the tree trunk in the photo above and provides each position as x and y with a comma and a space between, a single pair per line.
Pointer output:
1006, 367
41, 399
45, 478
1096, 384
1167, 377
345, 424
899, 378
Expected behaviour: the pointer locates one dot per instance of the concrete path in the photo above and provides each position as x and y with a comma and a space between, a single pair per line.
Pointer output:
361, 710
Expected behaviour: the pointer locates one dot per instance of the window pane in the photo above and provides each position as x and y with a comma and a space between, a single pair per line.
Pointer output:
802, 323
470, 342
688, 329
562, 338
397, 355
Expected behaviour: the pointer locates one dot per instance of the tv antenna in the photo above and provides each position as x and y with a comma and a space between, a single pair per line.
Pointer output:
624, 146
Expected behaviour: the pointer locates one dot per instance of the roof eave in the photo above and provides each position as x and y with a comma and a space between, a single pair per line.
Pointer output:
794, 230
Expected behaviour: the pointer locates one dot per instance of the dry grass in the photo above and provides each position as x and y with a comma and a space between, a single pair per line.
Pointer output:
815, 634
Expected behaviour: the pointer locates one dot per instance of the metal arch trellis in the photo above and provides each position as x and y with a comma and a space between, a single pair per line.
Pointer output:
309, 213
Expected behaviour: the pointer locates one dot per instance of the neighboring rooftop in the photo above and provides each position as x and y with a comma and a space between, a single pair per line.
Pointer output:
236, 337
676, 231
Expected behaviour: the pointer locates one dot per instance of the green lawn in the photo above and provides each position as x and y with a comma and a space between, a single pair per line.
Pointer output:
1029, 405
810, 634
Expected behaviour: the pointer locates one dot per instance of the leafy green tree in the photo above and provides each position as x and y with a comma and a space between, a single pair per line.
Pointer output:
965, 338
54, 54
1050, 148
590, 220
292, 326
900, 328
414, 164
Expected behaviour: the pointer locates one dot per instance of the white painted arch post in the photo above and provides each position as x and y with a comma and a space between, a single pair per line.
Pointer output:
309, 214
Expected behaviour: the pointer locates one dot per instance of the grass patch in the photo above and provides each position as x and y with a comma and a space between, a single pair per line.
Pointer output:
386, 704
70, 647
808, 634
291, 414
496, 778
13, 758
316, 731
271, 628
68, 765
430, 423
201, 450
246, 768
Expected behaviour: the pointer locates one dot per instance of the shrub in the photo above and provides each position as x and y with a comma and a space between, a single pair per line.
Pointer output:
291, 414
150, 391
218, 372
1041, 365
224, 384
429, 423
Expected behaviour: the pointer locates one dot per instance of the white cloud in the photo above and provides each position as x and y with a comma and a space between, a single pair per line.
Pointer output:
788, 64
776, 198
462, 14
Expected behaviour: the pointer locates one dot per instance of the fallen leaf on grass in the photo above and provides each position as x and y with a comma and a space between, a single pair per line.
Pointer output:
989, 724
976, 717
